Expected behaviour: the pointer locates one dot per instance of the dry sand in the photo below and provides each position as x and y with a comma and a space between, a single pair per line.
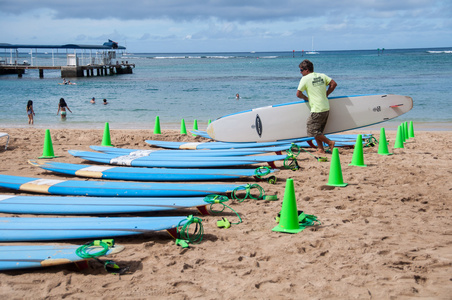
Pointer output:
387, 235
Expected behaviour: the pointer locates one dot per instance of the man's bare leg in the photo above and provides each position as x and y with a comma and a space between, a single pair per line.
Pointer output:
320, 139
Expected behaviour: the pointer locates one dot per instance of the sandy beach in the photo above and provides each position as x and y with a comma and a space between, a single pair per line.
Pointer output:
387, 235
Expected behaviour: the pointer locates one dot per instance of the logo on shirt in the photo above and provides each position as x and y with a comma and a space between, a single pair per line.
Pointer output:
318, 81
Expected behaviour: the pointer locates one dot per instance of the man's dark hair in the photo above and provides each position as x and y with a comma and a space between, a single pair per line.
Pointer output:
307, 64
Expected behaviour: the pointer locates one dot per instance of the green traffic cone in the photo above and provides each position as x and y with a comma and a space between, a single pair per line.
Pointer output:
405, 131
411, 130
335, 177
399, 138
383, 144
183, 129
157, 125
47, 151
288, 221
358, 156
208, 122
195, 126
106, 138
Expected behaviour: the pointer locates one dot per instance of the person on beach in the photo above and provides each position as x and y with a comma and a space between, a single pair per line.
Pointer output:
93, 100
63, 106
317, 95
30, 112
105, 102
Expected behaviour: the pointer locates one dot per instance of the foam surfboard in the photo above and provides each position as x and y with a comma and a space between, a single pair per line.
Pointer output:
336, 137
159, 154
54, 205
37, 256
302, 142
111, 189
220, 145
144, 174
288, 120
14, 229
174, 162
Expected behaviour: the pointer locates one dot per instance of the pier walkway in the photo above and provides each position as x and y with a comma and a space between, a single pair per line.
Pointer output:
77, 63
70, 71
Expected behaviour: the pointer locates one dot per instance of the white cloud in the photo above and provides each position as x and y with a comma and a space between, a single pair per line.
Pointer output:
208, 25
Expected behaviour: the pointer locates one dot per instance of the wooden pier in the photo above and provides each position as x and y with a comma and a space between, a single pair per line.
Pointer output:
79, 64
72, 71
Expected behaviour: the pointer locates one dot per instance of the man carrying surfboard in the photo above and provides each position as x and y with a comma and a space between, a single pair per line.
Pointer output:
315, 86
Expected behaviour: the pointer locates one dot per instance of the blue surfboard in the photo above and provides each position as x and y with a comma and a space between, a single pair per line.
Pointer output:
144, 174
37, 256
54, 205
341, 139
112, 189
50, 229
334, 137
175, 162
220, 145
158, 154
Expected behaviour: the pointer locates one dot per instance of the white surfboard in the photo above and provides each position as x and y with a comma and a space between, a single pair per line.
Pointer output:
288, 120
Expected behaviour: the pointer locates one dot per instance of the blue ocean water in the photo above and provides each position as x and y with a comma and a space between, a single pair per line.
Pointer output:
203, 86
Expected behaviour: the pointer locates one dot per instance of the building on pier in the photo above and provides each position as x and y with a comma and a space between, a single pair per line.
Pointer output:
72, 59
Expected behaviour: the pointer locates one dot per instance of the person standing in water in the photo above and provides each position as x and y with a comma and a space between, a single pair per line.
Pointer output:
30, 112
62, 106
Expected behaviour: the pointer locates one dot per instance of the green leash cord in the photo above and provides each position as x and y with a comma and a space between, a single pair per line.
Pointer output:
371, 142
293, 147
290, 152
290, 162
247, 188
83, 251
109, 265
264, 171
183, 230
217, 199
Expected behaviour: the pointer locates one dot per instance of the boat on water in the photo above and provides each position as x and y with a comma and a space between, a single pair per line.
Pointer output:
312, 47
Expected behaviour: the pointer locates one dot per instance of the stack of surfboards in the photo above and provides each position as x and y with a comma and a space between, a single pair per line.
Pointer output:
244, 138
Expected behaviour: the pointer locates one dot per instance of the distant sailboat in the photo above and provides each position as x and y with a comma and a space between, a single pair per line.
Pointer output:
312, 47
125, 54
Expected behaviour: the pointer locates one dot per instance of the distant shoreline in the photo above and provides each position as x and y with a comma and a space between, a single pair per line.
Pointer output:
202, 125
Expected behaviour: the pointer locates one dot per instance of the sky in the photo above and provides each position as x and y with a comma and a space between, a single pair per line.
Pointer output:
181, 26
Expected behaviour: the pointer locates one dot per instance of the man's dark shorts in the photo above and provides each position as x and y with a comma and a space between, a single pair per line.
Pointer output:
316, 123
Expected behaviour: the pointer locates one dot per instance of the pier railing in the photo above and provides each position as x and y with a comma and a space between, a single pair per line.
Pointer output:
71, 65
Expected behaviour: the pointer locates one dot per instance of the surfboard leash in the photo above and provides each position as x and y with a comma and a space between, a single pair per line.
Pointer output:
109, 265
371, 142
260, 172
218, 199
290, 162
295, 147
83, 251
183, 232
248, 195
